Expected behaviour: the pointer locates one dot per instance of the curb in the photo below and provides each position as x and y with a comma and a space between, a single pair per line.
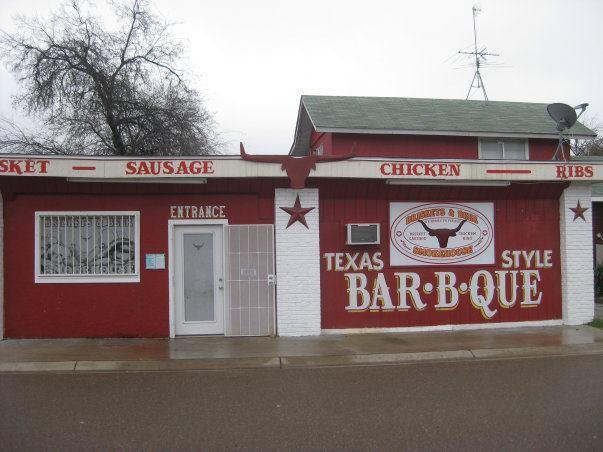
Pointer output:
577, 349
375, 359
296, 361
41, 366
177, 364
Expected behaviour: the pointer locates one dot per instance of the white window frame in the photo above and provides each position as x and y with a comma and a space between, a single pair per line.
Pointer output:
525, 144
72, 279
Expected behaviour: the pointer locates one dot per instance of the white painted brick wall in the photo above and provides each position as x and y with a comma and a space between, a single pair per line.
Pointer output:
297, 266
576, 245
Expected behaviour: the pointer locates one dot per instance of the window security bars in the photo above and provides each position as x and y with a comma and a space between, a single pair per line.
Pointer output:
87, 245
251, 309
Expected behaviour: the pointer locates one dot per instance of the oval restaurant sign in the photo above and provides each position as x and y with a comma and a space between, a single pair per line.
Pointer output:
441, 233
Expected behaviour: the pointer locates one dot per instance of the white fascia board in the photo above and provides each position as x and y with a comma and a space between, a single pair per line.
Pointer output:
310, 117
120, 158
449, 133
168, 170
297, 126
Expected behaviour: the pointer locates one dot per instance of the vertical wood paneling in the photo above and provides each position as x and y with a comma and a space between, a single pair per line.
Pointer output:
522, 222
106, 310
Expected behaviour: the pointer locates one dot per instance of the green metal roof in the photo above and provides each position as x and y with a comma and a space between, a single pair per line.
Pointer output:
408, 115
596, 190
588, 158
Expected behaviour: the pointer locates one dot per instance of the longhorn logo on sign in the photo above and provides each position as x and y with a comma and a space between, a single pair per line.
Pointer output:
441, 233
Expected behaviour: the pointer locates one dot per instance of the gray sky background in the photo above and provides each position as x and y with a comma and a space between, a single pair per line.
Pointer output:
255, 58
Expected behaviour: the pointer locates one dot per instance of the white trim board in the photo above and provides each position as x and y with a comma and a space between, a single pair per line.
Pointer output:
461, 327
115, 171
171, 275
83, 279
448, 133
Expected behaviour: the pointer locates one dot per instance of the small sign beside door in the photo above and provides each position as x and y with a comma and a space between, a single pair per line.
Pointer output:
155, 261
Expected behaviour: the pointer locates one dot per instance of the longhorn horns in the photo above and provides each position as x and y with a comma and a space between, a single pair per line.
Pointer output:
282, 158
442, 234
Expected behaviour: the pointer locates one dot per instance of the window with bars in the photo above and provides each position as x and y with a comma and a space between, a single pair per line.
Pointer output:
87, 247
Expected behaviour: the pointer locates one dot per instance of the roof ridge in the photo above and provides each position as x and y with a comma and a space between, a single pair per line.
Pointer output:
329, 96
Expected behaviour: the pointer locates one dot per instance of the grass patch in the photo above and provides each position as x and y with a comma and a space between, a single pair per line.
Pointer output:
597, 323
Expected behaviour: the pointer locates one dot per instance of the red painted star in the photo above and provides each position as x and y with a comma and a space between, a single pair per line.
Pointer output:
578, 211
297, 212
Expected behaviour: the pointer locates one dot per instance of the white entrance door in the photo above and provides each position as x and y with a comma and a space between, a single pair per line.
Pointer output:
198, 280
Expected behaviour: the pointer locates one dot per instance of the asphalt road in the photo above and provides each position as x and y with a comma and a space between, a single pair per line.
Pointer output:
541, 404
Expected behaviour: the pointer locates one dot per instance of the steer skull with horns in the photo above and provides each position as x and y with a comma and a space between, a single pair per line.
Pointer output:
442, 234
297, 168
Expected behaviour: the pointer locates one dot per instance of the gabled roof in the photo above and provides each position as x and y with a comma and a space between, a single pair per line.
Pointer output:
412, 116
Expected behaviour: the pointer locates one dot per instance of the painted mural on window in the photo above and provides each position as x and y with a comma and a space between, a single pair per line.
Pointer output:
87, 244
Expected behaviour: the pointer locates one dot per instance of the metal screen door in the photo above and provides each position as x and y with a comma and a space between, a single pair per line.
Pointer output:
199, 287
251, 280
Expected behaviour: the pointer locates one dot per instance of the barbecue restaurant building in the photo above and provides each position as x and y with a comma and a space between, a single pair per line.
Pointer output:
388, 214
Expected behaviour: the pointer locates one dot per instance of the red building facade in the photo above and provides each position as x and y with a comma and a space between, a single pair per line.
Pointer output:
232, 245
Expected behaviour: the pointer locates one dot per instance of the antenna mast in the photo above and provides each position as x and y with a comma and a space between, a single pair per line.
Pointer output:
480, 56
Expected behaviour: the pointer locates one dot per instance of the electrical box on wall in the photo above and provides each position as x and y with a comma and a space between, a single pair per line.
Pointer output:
363, 234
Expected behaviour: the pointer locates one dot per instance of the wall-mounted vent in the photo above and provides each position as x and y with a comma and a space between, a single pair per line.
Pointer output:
363, 234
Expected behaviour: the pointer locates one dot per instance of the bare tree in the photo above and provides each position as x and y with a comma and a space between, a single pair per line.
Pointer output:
590, 147
99, 89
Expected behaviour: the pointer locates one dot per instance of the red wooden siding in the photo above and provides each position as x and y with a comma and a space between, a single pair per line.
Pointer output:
410, 146
324, 139
542, 149
106, 309
526, 218
415, 146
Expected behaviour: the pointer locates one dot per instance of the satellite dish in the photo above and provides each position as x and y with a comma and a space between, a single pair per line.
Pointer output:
564, 115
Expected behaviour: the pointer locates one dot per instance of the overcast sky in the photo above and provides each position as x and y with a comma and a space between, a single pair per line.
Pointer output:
256, 58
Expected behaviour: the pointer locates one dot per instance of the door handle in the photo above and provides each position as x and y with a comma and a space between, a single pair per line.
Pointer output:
220, 283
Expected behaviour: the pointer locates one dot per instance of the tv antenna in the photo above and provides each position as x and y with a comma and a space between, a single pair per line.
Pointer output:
480, 55
565, 117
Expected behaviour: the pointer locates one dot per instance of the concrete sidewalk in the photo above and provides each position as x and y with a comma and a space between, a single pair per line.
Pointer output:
204, 353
